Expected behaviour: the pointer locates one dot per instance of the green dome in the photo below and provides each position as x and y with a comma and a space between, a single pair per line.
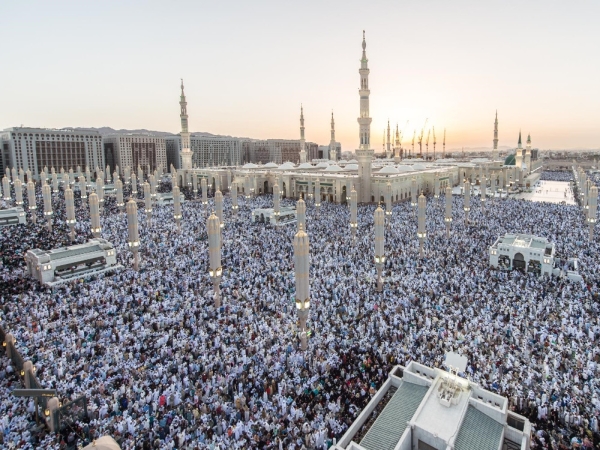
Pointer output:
510, 160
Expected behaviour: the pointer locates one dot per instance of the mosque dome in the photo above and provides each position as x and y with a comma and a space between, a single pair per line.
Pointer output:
306, 166
404, 168
287, 166
333, 168
249, 166
351, 167
270, 165
342, 161
419, 167
510, 160
353, 161
322, 165
389, 170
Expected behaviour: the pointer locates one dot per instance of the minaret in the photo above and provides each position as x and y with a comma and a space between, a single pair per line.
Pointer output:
332, 146
528, 154
495, 154
364, 154
186, 153
397, 155
519, 153
388, 150
302, 141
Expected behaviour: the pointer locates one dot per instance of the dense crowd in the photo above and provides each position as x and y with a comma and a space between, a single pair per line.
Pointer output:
162, 368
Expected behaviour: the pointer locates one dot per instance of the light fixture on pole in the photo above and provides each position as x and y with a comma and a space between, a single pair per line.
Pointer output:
70, 210
379, 223
215, 271
133, 238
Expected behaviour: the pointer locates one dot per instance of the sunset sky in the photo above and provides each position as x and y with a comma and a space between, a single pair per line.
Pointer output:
248, 66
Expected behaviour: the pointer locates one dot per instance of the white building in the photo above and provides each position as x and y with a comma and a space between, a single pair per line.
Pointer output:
60, 265
132, 150
36, 148
420, 408
287, 215
207, 151
12, 216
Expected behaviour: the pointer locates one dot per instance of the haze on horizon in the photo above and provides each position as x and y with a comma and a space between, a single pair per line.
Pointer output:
247, 67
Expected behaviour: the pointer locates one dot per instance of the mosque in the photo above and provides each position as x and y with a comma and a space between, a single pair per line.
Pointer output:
332, 180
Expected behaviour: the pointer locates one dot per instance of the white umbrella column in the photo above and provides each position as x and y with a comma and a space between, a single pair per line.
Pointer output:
234, 199
353, 212
421, 231
47, 195
6, 188
194, 185
592, 210
99, 191
133, 238
219, 208
301, 213
18, 192
493, 186
501, 183
119, 187
134, 187
95, 215
276, 202
204, 188
83, 188
318, 195
388, 202
54, 182
177, 207
148, 202
448, 215
32, 200
483, 187
379, 245
436, 192
413, 193
467, 200
301, 273
70, 209
213, 228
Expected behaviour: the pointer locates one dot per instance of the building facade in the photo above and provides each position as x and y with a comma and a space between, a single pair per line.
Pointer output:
133, 150
35, 148
207, 151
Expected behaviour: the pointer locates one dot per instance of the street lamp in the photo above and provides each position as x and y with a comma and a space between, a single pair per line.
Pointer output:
448, 216
379, 220
215, 271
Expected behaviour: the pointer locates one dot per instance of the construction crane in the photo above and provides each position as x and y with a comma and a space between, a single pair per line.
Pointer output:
401, 135
421, 139
444, 147
413, 144
434, 143
427, 145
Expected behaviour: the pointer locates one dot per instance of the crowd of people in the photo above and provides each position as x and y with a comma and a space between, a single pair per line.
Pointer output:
161, 367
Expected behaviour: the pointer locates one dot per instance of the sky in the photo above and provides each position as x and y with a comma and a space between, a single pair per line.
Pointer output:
248, 66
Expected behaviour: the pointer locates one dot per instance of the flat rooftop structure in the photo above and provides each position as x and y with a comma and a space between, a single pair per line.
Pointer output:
431, 409
549, 191
12, 216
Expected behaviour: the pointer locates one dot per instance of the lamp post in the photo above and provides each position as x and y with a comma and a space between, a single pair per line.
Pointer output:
6, 188
95, 215
47, 195
388, 203
592, 210
31, 199
70, 209
213, 228
436, 192
18, 192
483, 187
119, 187
204, 187
147, 202
234, 199
379, 245
353, 212
133, 238
448, 216
413, 193
467, 200
301, 213
134, 186
301, 273
318, 195
421, 231
276, 202
99, 192
177, 207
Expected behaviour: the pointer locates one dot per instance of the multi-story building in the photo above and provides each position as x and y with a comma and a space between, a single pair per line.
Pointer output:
276, 151
36, 148
207, 151
132, 150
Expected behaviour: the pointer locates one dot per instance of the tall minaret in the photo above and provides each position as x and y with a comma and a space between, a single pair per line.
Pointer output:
519, 153
364, 154
186, 153
397, 155
528, 154
302, 141
495, 154
388, 151
332, 146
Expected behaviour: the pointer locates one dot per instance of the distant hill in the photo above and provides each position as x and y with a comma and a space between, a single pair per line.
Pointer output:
108, 130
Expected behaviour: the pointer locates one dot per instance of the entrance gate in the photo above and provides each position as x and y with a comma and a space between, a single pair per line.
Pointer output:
519, 262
